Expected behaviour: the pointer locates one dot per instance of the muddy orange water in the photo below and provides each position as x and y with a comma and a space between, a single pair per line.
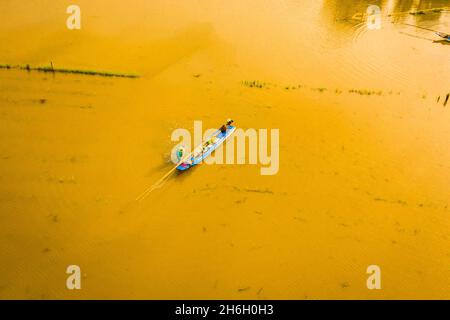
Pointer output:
364, 150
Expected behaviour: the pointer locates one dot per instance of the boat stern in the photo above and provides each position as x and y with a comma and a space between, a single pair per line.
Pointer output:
183, 166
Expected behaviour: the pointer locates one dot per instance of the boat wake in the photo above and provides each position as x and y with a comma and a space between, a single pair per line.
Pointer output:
158, 184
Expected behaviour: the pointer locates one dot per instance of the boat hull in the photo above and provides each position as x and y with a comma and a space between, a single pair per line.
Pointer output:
221, 137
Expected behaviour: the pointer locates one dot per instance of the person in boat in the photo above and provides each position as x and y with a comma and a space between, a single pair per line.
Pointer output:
181, 152
224, 128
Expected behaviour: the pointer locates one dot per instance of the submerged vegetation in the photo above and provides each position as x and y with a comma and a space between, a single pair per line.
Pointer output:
416, 12
432, 10
51, 69
255, 84
362, 92
366, 92
338, 91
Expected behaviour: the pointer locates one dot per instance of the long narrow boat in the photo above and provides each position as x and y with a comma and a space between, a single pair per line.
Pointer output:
203, 151
443, 35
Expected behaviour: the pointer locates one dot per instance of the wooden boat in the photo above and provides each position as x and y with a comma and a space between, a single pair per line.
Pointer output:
203, 151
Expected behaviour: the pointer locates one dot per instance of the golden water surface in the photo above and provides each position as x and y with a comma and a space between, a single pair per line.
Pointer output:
364, 150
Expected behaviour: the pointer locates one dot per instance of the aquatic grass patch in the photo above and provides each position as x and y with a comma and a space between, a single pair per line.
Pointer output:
361, 16
415, 13
320, 89
258, 84
255, 84
51, 69
365, 92
429, 10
